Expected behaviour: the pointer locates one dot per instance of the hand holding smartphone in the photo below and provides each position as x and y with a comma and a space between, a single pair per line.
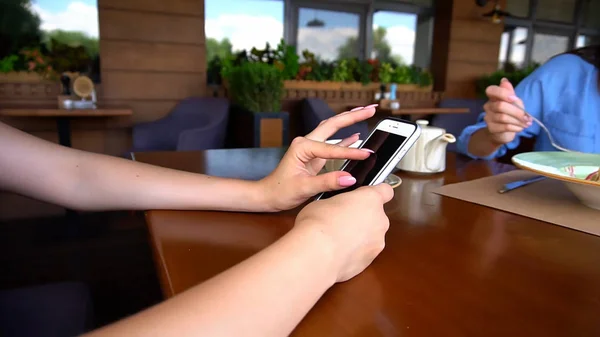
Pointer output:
390, 141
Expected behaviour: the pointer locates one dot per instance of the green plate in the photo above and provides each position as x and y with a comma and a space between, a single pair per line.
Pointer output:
568, 166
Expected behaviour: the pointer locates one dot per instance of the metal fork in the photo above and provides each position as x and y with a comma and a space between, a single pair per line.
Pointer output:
558, 147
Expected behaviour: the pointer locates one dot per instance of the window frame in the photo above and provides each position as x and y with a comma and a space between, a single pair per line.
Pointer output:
365, 10
292, 14
535, 25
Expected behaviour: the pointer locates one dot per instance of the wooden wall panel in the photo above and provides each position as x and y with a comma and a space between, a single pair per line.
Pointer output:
466, 46
155, 57
125, 85
150, 27
461, 78
475, 30
474, 51
152, 54
185, 7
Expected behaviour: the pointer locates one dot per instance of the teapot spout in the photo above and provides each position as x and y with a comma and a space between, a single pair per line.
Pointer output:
434, 156
448, 138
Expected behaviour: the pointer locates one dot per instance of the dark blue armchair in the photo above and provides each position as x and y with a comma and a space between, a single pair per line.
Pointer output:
315, 110
456, 123
196, 123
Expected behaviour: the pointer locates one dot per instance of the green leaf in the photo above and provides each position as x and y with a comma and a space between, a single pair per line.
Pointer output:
256, 86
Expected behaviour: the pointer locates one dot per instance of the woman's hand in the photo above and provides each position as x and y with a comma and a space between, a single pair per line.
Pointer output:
503, 119
353, 224
296, 177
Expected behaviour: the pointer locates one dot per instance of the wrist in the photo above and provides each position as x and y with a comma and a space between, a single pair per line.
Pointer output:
263, 196
493, 139
322, 247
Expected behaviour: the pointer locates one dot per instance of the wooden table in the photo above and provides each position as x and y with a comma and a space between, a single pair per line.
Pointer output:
450, 268
63, 116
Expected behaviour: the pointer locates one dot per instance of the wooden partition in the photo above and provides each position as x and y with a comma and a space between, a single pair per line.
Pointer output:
152, 54
466, 46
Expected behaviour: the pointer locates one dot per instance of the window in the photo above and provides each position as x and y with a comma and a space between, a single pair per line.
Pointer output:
235, 25
559, 26
518, 8
394, 37
545, 46
330, 35
69, 24
582, 41
586, 40
504, 39
513, 47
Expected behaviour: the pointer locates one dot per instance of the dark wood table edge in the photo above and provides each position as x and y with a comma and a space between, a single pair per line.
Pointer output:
160, 265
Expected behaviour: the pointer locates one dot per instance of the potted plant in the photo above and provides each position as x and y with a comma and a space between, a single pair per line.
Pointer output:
29, 66
256, 119
313, 74
513, 74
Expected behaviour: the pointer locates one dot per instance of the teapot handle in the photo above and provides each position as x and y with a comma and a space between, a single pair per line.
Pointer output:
437, 167
428, 153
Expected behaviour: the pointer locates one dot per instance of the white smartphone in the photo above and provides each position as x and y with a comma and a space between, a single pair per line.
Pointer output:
390, 141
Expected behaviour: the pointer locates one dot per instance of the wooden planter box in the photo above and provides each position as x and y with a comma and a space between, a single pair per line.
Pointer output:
247, 129
411, 88
23, 77
312, 85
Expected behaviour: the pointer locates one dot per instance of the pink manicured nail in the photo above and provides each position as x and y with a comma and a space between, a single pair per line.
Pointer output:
355, 135
371, 106
359, 108
503, 79
367, 150
346, 181
513, 98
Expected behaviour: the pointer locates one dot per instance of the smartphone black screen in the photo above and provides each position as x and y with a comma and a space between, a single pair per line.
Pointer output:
384, 145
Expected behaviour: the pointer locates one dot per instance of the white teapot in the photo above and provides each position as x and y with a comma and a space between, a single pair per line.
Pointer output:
428, 155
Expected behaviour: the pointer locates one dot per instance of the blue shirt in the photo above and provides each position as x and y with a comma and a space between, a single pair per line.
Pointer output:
563, 94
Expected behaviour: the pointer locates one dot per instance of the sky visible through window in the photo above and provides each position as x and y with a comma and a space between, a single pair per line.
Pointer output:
69, 15
252, 23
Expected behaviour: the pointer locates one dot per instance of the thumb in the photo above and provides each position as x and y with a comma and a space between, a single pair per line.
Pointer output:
331, 181
505, 83
385, 191
380, 193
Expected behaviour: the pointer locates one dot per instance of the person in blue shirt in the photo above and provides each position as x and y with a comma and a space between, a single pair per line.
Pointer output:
563, 94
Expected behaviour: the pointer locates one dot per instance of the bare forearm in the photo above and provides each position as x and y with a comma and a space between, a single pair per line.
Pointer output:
481, 143
113, 183
267, 295
87, 181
